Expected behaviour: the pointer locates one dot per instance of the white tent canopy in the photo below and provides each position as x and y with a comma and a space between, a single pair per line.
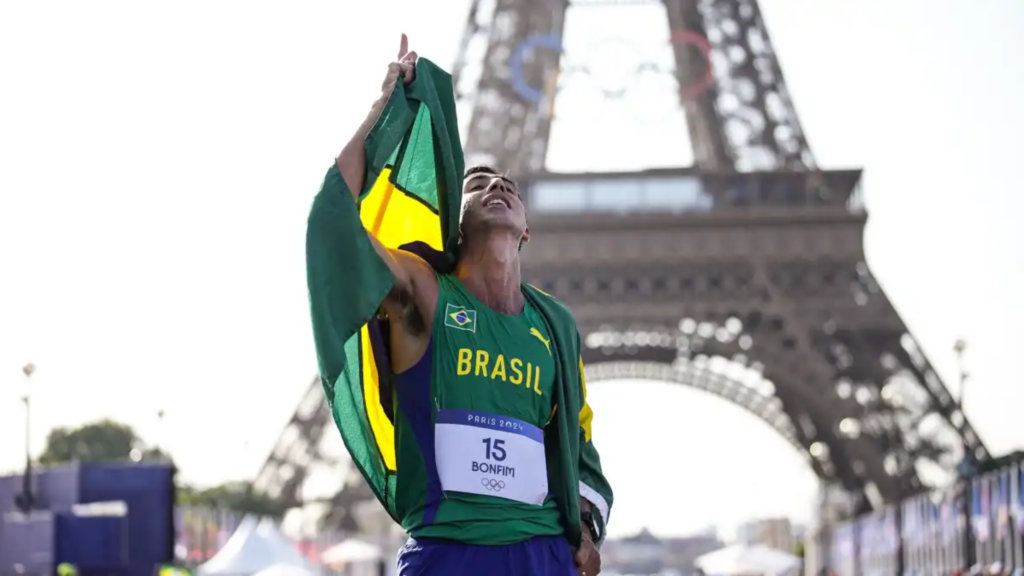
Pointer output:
742, 560
351, 551
285, 570
256, 545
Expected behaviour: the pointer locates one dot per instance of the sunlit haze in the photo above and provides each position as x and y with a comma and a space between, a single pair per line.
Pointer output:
159, 160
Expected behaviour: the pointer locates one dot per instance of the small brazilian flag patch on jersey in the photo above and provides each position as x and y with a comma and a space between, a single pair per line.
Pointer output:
459, 317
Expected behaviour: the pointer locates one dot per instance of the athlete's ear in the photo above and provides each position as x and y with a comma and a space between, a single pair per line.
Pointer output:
526, 235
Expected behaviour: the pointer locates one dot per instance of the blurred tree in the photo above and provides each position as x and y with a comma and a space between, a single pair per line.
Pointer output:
155, 454
103, 441
234, 496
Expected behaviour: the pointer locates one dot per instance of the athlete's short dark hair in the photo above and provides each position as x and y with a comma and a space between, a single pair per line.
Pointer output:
479, 169
485, 169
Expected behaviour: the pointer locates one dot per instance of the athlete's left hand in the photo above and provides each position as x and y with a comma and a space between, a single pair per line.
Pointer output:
588, 557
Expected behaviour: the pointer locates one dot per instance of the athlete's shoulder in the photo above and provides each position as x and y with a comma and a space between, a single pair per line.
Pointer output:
550, 301
447, 280
542, 294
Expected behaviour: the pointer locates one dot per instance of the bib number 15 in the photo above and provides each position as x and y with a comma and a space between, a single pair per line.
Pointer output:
495, 449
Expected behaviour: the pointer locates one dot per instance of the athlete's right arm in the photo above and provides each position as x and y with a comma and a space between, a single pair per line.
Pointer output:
411, 301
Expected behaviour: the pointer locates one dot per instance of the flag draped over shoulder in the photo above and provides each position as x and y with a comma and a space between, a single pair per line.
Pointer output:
412, 192
411, 200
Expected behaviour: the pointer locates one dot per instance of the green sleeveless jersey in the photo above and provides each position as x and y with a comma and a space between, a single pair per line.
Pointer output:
469, 423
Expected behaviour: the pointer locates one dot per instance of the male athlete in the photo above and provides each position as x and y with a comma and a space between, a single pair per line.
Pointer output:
476, 338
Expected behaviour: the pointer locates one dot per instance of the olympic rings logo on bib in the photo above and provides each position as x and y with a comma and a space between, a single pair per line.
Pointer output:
491, 484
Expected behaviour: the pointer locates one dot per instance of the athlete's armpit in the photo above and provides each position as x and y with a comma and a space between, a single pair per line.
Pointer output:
410, 303
400, 306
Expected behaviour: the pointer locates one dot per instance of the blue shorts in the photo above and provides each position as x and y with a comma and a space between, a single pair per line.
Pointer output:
540, 556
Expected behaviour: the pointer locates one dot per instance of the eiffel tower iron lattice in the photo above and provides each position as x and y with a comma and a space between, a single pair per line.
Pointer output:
743, 276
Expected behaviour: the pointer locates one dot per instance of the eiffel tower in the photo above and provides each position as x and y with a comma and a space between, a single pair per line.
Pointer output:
742, 275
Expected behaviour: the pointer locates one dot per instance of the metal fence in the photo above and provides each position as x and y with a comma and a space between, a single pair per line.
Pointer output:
979, 522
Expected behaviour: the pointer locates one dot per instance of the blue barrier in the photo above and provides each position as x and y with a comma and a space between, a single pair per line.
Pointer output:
27, 545
132, 544
93, 544
148, 492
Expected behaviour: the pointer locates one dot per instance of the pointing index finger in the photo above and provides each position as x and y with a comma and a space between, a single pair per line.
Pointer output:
403, 47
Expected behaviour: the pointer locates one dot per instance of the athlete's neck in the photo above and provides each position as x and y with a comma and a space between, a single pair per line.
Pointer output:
489, 268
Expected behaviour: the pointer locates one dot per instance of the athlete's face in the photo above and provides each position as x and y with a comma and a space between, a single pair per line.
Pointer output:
491, 202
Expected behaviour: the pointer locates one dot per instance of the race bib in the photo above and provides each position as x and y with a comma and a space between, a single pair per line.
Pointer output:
490, 455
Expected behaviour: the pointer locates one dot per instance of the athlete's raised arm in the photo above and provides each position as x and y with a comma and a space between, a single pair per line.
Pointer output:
408, 269
411, 300
352, 160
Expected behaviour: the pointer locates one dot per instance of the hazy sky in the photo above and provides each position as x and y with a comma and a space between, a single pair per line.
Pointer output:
159, 159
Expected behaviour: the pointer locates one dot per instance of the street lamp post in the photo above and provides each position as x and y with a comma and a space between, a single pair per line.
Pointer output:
967, 463
959, 348
26, 501
159, 443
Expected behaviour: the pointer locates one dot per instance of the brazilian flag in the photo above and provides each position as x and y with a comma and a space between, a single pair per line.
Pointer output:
411, 198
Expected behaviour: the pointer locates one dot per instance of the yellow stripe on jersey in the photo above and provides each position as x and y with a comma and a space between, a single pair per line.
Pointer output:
586, 414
